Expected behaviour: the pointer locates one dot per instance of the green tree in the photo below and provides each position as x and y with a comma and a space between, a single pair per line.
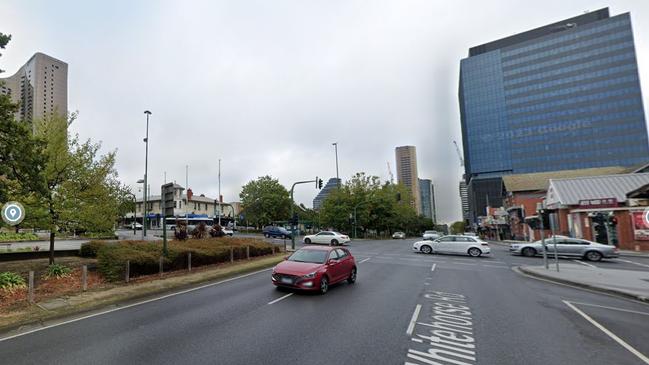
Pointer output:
77, 189
457, 227
21, 159
265, 200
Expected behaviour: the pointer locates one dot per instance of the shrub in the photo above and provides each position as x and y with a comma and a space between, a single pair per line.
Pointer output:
58, 271
200, 231
90, 249
11, 236
100, 235
144, 256
10, 281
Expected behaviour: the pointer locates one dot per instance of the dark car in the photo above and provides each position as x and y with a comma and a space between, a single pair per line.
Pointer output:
315, 268
276, 232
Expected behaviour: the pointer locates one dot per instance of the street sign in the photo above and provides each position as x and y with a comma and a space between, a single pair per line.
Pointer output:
167, 200
13, 213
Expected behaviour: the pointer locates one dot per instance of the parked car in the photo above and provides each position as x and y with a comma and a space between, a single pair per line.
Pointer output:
328, 237
137, 225
566, 246
227, 231
431, 235
399, 235
276, 232
315, 268
454, 244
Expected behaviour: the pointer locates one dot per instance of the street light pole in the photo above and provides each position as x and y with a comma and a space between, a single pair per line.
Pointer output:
335, 144
146, 167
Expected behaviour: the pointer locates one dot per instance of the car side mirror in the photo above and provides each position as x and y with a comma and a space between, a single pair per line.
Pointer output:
286, 258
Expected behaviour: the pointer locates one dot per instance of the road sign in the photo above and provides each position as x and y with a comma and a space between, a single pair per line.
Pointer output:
13, 213
168, 200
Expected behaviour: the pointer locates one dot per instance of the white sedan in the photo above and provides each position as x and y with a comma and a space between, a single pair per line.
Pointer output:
328, 237
459, 245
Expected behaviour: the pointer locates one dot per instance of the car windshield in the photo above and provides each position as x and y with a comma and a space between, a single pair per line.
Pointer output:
430, 232
313, 256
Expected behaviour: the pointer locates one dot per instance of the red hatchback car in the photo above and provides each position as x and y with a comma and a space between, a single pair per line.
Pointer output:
315, 268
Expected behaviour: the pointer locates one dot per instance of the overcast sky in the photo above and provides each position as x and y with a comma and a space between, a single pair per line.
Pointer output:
267, 86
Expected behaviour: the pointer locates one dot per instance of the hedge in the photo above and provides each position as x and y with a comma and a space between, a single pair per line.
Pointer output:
144, 256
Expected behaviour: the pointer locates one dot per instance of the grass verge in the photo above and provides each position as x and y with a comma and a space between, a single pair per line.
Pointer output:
106, 297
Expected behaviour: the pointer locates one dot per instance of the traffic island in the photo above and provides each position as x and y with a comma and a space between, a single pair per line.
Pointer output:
627, 283
46, 312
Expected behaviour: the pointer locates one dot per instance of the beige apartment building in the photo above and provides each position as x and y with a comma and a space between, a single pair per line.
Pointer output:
407, 174
40, 87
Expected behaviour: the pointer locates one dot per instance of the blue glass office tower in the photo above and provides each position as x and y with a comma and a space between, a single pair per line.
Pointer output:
560, 97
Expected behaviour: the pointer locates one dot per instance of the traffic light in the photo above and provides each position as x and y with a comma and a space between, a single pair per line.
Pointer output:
319, 183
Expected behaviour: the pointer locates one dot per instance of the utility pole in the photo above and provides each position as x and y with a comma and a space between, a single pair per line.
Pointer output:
146, 167
335, 144
293, 226
187, 196
219, 197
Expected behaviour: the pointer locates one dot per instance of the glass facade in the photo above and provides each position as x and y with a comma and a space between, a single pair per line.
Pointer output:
561, 97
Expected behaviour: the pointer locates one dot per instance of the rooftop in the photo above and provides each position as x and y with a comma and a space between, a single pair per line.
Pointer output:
571, 191
541, 180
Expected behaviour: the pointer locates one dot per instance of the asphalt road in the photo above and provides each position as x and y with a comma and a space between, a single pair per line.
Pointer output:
480, 309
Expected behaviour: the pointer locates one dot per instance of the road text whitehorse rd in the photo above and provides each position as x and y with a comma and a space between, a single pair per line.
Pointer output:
445, 334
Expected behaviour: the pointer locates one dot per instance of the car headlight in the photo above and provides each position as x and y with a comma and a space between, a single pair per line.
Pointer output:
310, 275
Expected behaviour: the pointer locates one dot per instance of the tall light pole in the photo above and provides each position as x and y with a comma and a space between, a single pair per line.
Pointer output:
335, 144
141, 181
146, 167
219, 197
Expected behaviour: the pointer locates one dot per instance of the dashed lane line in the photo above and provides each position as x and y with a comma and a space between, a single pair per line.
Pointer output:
280, 298
433, 268
610, 334
364, 260
583, 263
413, 320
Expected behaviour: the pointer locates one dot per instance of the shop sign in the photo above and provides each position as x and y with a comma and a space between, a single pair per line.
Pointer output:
641, 225
598, 203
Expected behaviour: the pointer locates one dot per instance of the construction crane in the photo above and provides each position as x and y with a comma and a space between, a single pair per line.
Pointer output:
459, 154
390, 173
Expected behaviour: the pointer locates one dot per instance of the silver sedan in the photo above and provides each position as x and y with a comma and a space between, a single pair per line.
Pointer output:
566, 246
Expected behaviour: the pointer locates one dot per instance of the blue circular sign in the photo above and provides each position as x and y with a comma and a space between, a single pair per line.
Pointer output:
13, 213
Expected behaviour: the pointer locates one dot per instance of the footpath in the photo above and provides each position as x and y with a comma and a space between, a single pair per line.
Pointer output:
629, 283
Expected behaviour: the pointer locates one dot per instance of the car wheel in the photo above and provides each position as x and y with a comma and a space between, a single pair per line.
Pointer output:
334, 242
324, 285
474, 252
307, 241
284, 236
529, 252
266, 235
593, 256
426, 249
352, 276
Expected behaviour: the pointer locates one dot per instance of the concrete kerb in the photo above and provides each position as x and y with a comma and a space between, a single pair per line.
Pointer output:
39, 316
524, 271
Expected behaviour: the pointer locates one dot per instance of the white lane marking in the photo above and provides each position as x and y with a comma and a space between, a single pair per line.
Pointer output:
135, 304
609, 333
433, 268
633, 262
611, 308
280, 298
364, 260
583, 263
413, 320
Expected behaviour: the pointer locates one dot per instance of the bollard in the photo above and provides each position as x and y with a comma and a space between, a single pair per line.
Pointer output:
161, 266
189, 261
31, 287
248, 252
84, 277
128, 271
231, 254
